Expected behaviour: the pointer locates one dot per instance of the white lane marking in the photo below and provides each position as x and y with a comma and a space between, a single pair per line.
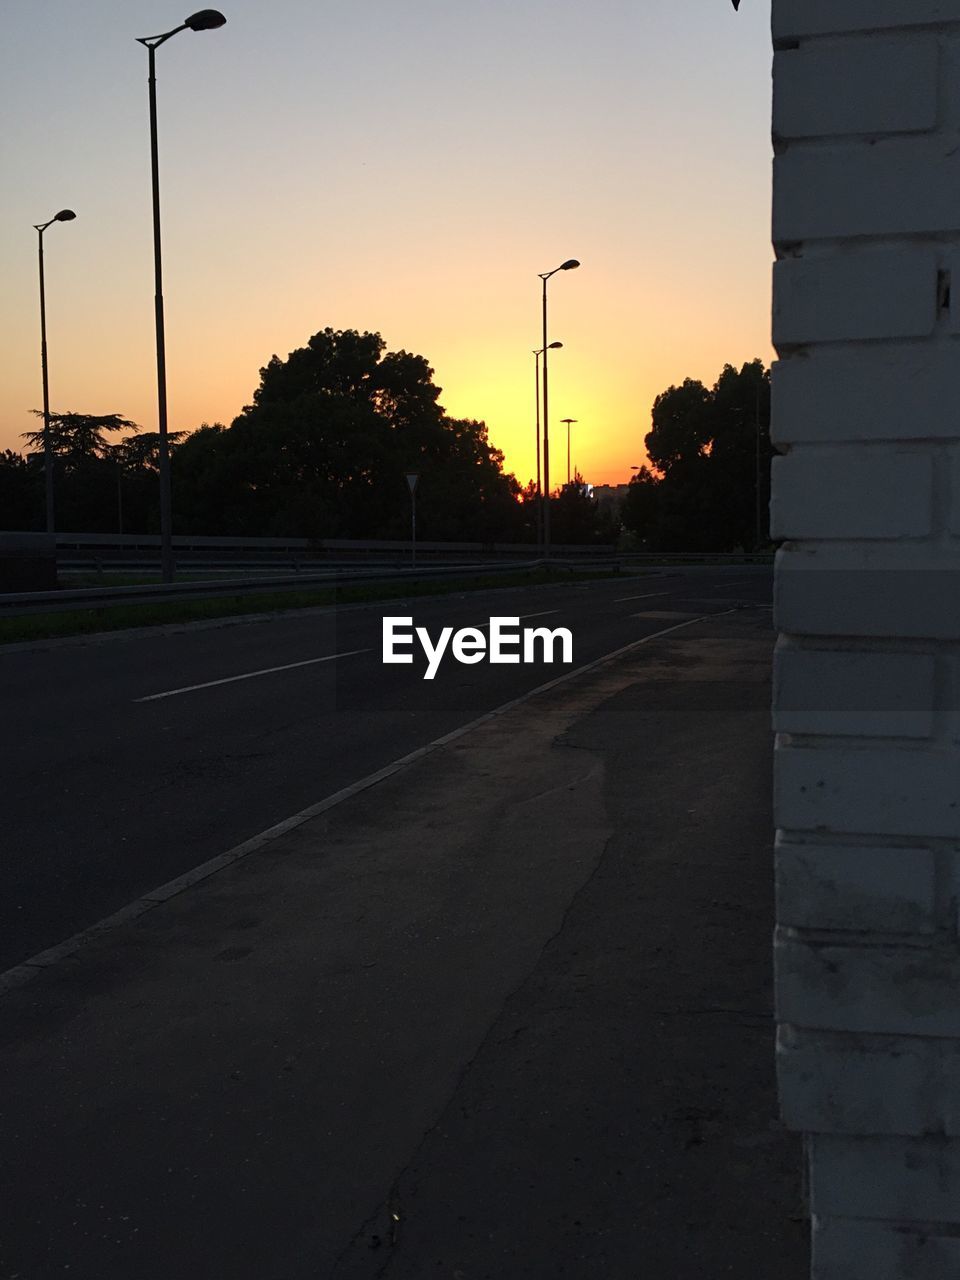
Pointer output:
267, 671
648, 596
665, 613
520, 617
29, 968
250, 675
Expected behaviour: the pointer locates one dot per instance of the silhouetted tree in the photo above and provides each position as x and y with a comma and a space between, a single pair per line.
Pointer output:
575, 516
640, 507
321, 451
77, 437
141, 451
700, 494
21, 493
210, 494
85, 475
682, 429
136, 469
323, 448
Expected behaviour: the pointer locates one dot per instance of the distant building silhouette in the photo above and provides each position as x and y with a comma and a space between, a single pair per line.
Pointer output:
609, 496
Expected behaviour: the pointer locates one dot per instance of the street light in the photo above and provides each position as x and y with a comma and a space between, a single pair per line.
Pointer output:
65, 215
203, 20
569, 265
569, 422
554, 346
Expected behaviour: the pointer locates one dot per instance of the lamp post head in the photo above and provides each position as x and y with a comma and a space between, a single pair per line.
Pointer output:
65, 215
564, 266
555, 345
205, 20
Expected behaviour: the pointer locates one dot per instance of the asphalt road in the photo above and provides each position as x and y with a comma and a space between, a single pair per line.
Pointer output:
111, 790
507, 1013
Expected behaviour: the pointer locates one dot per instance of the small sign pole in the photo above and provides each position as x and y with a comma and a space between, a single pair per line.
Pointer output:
412, 478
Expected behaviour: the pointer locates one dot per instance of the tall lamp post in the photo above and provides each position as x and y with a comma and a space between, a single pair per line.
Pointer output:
65, 215
554, 346
569, 422
569, 265
204, 20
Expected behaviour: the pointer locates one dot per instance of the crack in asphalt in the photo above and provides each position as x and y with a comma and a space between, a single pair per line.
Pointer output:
390, 1207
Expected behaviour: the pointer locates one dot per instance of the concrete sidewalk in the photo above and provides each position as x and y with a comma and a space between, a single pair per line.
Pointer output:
506, 1014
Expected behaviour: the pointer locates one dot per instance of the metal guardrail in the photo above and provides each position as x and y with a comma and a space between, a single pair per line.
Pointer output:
23, 603
300, 566
321, 550
693, 558
297, 567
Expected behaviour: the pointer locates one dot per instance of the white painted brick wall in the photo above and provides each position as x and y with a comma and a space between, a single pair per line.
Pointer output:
855, 887
950, 80
860, 693
852, 492
890, 392
850, 1250
839, 1082
793, 19
868, 790
861, 1083
901, 589
861, 294
883, 988
866, 496
896, 186
872, 86
904, 1179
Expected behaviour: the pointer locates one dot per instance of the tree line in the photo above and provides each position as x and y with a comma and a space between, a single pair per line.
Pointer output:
322, 451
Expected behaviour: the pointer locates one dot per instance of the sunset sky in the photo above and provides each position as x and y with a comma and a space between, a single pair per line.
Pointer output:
406, 166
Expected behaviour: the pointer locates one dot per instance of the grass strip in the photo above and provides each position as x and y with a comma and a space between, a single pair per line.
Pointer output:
120, 617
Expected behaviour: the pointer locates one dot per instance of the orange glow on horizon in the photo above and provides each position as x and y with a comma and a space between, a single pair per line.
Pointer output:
423, 208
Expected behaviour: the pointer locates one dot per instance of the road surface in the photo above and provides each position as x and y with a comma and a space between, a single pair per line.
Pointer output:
132, 758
